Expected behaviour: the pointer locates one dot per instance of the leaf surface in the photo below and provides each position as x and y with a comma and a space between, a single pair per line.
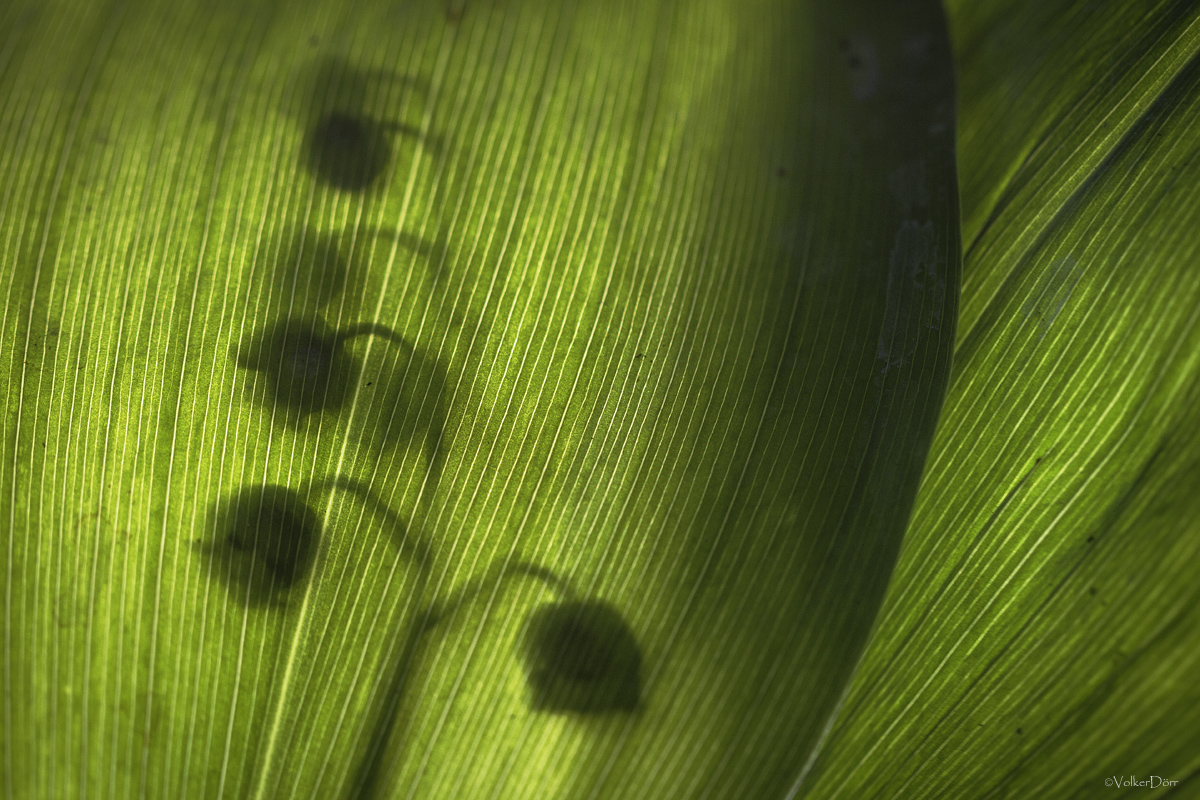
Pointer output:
466, 400
1041, 630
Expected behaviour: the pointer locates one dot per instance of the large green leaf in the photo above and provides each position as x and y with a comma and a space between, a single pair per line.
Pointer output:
459, 399
1041, 636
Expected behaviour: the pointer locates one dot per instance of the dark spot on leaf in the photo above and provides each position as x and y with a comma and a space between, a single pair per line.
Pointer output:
266, 541
781, 172
1091, 538
311, 269
305, 365
1018, 731
1092, 590
347, 152
581, 658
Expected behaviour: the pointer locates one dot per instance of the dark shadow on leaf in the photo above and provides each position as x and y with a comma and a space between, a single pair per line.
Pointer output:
305, 365
345, 146
369, 770
347, 152
314, 267
581, 658
311, 269
305, 368
265, 544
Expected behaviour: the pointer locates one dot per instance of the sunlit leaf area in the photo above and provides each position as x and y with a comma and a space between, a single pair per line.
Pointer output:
600, 399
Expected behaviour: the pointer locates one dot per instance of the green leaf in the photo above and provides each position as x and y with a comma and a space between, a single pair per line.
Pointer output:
1041, 632
518, 399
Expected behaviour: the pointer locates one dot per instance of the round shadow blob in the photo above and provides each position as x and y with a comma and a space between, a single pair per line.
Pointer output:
347, 152
311, 270
581, 658
266, 542
306, 366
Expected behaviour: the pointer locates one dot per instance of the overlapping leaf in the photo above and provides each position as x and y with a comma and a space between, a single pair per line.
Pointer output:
1041, 633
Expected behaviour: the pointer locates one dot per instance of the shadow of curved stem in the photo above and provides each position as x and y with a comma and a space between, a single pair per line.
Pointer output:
371, 329
410, 546
366, 782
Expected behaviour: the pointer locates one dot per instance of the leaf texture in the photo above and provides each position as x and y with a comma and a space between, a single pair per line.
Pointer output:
1041, 628
485, 399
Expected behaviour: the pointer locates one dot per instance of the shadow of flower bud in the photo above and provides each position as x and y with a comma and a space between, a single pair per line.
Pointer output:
310, 268
348, 152
581, 657
266, 542
306, 366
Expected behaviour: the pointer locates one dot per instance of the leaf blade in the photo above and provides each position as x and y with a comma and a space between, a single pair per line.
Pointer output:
1029, 618
747, 302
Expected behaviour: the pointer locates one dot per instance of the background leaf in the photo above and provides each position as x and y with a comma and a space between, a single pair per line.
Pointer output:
642, 306
1041, 630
